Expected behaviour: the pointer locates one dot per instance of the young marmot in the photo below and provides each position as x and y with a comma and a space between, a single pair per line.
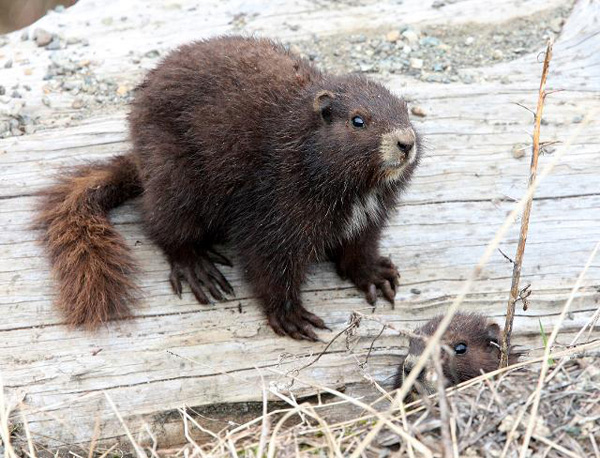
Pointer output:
472, 346
236, 139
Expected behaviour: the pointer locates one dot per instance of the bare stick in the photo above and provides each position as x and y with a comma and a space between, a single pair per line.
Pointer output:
516, 276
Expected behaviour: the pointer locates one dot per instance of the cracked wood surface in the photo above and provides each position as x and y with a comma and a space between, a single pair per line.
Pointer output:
174, 352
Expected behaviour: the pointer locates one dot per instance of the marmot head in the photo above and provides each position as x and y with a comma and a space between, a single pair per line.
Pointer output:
470, 346
364, 131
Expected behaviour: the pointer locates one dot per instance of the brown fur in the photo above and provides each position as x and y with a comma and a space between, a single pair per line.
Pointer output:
481, 338
90, 261
237, 140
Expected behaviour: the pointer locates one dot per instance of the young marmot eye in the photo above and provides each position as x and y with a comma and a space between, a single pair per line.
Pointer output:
460, 349
357, 121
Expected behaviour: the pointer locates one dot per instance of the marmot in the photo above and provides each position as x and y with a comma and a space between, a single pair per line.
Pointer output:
238, 140
472, 344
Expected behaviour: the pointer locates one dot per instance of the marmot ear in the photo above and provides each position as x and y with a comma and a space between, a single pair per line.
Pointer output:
322, 104
493, 333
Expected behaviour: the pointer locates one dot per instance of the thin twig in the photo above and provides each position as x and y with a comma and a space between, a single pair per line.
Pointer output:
516, 276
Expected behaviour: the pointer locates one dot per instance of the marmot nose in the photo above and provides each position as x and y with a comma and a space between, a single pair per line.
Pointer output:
405, 146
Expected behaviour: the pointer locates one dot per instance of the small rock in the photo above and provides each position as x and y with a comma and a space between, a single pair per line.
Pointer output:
8, 63
416, 63
415, 291
29, 129
438, 4
152, 54
429, 41
556, 24
437, 67
107, 21
16, 95
418, 111
518, 151
122, 90
53, 45
358, 39
28, 71
497, 54
77, 104
59, 8
25, 35
497, 38
469, 41
42, 37
393, 36
2, 90
411, 36
406, 49
577, 119
46, 101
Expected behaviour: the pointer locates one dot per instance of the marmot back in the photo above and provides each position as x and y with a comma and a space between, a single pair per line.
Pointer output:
237, 140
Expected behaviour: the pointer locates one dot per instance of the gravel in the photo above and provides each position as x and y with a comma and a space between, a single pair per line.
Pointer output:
437, 54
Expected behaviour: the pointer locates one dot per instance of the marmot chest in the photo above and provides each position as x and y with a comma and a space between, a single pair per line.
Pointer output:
365, 211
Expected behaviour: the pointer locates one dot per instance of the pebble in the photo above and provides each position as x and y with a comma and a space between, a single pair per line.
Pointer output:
46, 101
577, 119
469, 41
77, 104
416, 63
2, 90
122, 90
393, 36
497, 54
25, 35
416, 291
429, 41
152, 54
16, 95
411, 36
556, 24
8, 63
518, 151
54, 44
418, 111
42, 37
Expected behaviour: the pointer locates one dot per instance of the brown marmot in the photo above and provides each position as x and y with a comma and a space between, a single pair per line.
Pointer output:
472, 347
237, 140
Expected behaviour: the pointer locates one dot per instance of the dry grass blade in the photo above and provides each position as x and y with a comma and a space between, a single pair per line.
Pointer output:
9, 451
443, 403
545, 364
518, 262
138, 450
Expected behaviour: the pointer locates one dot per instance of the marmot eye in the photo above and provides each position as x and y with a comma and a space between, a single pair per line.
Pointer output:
357, 121
460, 349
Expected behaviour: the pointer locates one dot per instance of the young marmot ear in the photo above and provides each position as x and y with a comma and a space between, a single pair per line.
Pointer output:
493, 334
322, 104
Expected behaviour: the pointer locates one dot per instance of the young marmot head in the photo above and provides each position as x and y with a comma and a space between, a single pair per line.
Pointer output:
470, 346
363, 132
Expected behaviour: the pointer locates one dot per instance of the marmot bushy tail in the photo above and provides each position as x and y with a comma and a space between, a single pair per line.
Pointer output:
90, 260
